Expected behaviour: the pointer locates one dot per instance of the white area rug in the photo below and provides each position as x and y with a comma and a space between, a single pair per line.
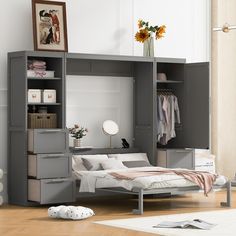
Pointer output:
225, 220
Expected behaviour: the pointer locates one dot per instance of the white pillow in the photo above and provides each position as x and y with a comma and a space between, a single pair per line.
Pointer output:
112, 163
77, 162
130, 157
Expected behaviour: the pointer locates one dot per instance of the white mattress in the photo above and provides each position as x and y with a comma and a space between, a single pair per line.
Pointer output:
90, 180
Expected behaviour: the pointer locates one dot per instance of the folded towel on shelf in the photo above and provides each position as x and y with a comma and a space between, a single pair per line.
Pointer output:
39, 63
36, 65
39, 67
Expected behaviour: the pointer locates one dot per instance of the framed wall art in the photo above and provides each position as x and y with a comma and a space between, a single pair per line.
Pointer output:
49, 25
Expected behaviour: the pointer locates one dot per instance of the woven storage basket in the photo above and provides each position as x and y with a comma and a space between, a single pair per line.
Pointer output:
42, 120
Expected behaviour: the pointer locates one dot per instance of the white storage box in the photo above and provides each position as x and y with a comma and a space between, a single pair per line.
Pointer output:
49, 96
204, 161
34, 95
205, 164
40, 74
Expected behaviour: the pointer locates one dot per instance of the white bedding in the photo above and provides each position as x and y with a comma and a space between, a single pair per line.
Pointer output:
90, 180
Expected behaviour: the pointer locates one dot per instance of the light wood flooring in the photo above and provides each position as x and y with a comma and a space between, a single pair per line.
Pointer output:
28, 221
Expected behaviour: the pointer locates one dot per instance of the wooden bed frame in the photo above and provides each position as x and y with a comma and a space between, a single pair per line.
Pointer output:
173, 191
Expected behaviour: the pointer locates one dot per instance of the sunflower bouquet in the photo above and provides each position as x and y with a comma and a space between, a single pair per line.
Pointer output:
146, 31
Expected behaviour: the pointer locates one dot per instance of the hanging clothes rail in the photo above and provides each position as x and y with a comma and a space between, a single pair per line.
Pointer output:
167, 115
165, 92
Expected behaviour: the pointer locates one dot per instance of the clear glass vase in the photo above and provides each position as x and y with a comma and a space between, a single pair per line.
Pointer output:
148, 47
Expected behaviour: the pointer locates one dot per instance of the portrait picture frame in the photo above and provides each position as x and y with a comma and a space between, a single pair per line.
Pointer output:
49, 25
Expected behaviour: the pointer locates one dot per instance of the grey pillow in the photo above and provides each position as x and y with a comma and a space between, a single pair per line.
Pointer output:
92, 164
133, 164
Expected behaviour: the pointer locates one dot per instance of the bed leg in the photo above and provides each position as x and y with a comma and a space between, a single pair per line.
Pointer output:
228, 202
139, 211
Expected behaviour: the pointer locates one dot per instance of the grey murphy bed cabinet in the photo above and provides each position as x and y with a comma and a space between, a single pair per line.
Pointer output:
39, 161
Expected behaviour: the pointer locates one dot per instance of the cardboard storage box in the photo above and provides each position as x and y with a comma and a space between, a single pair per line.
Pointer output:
34, 95
49, 96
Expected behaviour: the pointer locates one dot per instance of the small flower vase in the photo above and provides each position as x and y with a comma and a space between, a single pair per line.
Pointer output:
148, 47
77, 142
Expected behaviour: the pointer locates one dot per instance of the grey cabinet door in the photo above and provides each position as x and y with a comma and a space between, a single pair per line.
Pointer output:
196, 97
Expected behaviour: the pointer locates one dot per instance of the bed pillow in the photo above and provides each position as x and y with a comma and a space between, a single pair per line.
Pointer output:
112, 163
133, 164
130, 157
78, 164
92, 162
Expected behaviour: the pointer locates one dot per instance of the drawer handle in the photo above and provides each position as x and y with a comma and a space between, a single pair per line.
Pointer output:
53, 156
56, 181
56, 157
51, 131
182, 151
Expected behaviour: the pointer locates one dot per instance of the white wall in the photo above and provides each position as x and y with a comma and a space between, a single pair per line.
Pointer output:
108, 27
93, 99
113, 31
16, 34
187, 24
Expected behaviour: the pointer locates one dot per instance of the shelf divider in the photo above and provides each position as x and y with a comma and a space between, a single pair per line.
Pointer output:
170, 81
44, 78
45, 104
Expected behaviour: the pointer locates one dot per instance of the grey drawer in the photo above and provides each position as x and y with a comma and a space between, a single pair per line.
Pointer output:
48, 140
51, 190
176, 158
46, 166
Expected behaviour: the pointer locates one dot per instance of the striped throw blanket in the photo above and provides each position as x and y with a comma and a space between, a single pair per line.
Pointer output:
204, 180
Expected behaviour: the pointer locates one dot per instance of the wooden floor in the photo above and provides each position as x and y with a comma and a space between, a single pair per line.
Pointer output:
17, 221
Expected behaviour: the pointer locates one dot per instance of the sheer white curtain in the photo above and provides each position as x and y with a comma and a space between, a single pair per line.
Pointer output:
224, 87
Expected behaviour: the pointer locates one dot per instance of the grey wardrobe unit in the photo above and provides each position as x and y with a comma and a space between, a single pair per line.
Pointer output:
189, 82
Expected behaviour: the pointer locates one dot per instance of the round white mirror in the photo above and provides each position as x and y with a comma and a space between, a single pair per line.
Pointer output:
110, 127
